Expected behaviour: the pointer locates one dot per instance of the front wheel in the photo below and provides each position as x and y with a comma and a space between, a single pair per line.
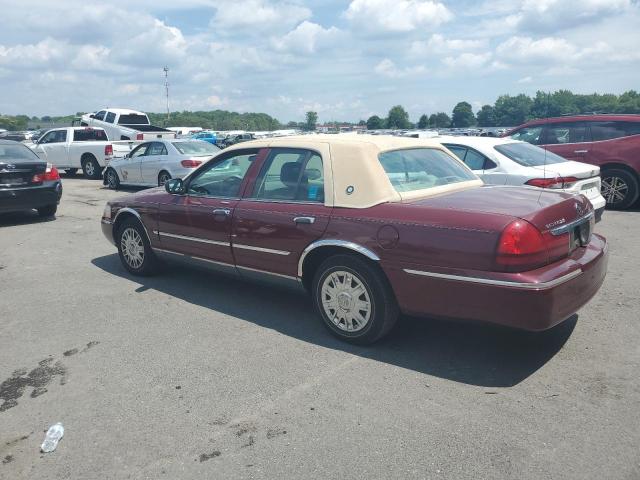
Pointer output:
163, 178
619, 188
113, 181
134, 249
354, 299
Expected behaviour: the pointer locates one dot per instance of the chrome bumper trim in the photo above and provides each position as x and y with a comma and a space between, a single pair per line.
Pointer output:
260, 249
499, 283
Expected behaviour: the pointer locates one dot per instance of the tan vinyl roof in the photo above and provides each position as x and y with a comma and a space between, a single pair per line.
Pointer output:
351, 164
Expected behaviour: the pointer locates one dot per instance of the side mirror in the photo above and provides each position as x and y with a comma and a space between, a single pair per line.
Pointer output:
126, 155
175, 186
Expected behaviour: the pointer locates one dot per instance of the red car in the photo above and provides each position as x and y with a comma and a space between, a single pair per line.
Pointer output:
371, 227
610, 141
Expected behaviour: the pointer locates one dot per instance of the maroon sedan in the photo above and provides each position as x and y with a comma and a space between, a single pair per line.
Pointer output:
371, 227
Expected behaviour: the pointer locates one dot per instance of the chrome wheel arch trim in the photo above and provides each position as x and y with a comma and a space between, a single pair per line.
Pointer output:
135, 214
335, 243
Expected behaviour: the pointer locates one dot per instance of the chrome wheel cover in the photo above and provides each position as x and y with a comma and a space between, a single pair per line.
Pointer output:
346, 301
614, 189
88, 167
164, 178
111, 178
132, 247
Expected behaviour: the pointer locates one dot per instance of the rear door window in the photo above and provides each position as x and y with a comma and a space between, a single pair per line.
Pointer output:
294, 175
613, 129
110, 118
569, 132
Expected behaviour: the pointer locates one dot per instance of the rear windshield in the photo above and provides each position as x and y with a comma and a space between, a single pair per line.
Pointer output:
16, 153
422, 168
528, 155
133, 119
89, 135
196, 148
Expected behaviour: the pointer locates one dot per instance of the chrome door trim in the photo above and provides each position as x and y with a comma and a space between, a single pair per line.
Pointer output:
568, 226
288, 277
335, 243
499, 283
260, 249
192, 239
163, 250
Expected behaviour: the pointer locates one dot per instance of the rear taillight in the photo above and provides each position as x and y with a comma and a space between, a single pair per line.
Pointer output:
521, 247
140, 136
108, 150
191, 163
50, 174
557, 182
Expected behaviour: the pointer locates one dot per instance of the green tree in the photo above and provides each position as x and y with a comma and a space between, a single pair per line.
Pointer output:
463, 115
375, 123
511, 111
311, 121
486, 116
398, 118
439, 120
423, 122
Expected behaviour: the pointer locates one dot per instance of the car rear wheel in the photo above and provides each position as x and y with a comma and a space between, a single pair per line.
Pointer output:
354, 299
48, 211
163, 178
113, 181
619, 188
91, 168
134, 249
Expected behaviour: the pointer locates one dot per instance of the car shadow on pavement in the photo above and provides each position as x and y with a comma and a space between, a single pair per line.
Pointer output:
470, 353
26, 217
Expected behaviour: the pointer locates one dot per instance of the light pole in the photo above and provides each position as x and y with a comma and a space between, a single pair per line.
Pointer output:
166, 88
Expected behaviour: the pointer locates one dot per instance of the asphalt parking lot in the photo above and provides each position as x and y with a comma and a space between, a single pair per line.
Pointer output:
191, 375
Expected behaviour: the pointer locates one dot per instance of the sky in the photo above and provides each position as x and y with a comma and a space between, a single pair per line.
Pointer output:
345, 59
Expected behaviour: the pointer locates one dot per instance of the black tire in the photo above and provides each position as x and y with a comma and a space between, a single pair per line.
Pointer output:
163, 177
71, 171
48, 211
619, 188
383, 309
112, 180
149, 263
91, 168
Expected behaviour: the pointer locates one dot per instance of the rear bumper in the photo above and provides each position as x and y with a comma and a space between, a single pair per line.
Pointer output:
598, 214
25, 198
536, 300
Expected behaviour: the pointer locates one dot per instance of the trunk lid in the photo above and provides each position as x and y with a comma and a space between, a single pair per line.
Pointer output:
545, 209
567, 169
19, 174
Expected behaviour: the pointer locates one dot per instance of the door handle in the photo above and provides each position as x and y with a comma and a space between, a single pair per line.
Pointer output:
222, 211
307, 220
580, 151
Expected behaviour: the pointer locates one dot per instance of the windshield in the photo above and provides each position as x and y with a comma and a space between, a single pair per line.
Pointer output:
528, 155
133, 119
197, 148
421, 168
16, 153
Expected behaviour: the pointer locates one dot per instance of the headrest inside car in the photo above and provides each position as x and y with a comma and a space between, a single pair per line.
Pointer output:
290, 172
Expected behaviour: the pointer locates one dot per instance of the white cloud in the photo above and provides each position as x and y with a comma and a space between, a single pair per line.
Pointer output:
242, 16
526, 79
437, 44
468, 61
307, 37
397, 16
388, 68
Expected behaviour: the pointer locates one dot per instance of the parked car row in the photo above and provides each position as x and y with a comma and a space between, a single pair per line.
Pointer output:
373, 227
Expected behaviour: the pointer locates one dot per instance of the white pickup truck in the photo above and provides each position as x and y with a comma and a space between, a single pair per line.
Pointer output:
124, 124
72, 148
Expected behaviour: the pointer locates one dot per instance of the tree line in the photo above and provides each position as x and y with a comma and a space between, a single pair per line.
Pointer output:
508, 110
512, 110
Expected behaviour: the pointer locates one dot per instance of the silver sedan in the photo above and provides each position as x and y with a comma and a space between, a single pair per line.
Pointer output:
153, 163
